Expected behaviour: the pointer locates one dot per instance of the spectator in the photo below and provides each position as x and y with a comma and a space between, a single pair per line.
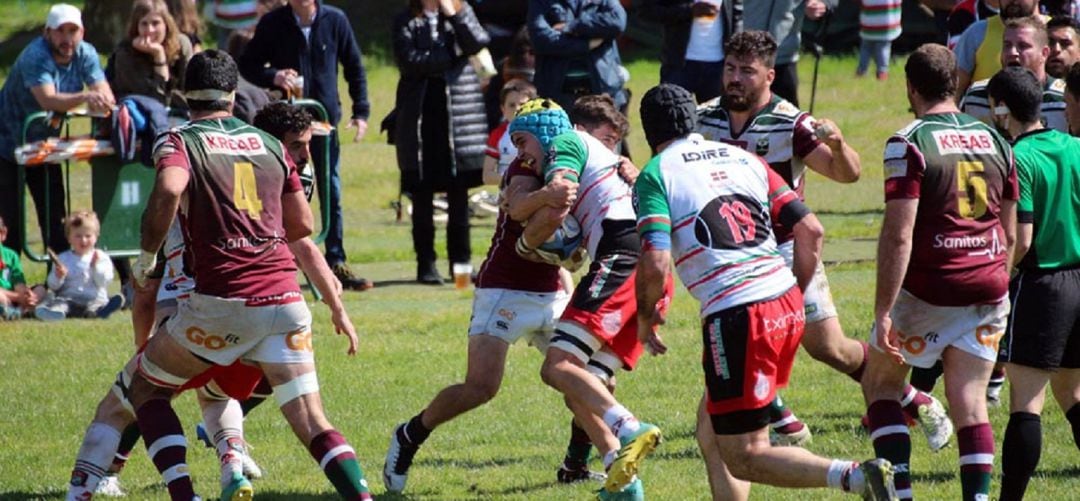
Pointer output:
50, 75
576, 54
965, 13
879, 25
432, 42
783, 20
80, 277
695, 32
152, 59
520, 64
16, 298
978, 51
1064, 39
187, 21
297, 48
500, 149
502, 19
229, 16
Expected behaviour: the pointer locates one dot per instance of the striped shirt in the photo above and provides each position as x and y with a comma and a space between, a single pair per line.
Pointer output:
879, 20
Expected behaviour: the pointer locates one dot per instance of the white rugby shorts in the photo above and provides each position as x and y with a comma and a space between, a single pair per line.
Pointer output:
926, 330
511, 315
225, 330
817, 298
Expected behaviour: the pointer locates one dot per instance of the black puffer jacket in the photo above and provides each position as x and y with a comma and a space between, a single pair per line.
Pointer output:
421, 57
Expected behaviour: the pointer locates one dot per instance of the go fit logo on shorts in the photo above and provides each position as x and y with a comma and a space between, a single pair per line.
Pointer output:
984, 335
211, 341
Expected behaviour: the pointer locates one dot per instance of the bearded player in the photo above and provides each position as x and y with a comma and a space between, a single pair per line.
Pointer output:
754, 119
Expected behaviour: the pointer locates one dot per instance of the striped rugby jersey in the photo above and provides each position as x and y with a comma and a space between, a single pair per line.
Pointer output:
976, 103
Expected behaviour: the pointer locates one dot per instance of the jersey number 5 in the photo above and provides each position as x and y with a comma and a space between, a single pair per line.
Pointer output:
971, 197
245, 190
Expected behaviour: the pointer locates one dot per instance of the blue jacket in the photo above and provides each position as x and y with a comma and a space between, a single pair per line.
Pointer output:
279, 42
560, 50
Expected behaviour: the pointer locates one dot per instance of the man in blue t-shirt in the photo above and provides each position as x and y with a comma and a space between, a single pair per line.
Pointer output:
49, 75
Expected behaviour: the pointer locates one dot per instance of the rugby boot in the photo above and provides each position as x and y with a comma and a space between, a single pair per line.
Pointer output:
399, 458
633, 491
877, 481
238, 488
570, 474
200, 433
109, 487
935, 424
635, 448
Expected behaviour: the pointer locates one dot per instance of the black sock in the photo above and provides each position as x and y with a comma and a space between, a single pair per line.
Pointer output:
415, 432
1073, 415
1020, 452
577, 452
925, 379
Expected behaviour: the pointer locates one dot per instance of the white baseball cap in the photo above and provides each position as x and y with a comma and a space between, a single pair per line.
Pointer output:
61, 14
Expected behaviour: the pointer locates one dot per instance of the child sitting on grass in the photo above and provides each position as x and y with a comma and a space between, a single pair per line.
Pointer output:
15, 297
80, 277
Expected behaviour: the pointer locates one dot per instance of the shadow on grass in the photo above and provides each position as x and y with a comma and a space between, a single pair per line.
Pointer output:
467, 464
1070, 473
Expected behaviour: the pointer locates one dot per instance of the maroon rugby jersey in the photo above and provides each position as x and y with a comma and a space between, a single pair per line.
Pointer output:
960, 170
231, 213
503, 268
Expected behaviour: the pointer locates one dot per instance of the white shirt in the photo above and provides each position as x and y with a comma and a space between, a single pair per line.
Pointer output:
706, 37
83, 284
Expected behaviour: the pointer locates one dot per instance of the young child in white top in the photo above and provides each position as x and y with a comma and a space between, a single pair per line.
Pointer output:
500, 150
80, 277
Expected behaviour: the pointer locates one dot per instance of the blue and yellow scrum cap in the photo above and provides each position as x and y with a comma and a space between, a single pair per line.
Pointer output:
543, 118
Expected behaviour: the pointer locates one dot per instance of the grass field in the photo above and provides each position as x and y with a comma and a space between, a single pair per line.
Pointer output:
413, 343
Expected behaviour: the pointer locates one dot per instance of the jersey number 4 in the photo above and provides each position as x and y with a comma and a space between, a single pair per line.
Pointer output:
971, 183
245, 190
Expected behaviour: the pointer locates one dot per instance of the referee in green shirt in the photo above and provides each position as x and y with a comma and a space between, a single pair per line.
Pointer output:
1042, 341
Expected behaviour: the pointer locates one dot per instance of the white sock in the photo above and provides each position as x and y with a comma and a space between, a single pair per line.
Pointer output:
95, 455
609, 458
841, 470
909, 396
620, 420
224, 421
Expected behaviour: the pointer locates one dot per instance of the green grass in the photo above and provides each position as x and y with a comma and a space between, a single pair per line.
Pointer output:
413, 343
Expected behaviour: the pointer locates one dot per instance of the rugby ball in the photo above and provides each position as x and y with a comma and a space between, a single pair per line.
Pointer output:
563, 242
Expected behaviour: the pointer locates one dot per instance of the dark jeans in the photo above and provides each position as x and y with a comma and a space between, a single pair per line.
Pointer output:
457, 227
786, 84
705, 80
335, 249
41, 180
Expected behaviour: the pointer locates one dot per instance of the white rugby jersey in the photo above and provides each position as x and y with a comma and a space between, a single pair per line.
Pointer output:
174, 283
718, 203
602, 193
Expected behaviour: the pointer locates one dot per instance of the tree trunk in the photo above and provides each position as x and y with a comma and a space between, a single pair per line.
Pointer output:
106, 22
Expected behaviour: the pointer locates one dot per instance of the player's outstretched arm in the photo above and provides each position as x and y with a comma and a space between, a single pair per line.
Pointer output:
893, 256
834, 158
314, 265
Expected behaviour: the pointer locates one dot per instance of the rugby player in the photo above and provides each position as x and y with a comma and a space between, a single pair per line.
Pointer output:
237, 182
1024, 45
978, 55
1072, 99
709, 209
751, 117
224, 418
599, 322
516, 298
1042, 342
1064, 35
942, 279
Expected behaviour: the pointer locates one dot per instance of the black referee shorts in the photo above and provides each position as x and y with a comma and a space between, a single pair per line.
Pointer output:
1044, 324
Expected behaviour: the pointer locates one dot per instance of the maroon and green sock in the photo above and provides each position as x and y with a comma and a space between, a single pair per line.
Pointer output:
976, 444
338, 462
889, 433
